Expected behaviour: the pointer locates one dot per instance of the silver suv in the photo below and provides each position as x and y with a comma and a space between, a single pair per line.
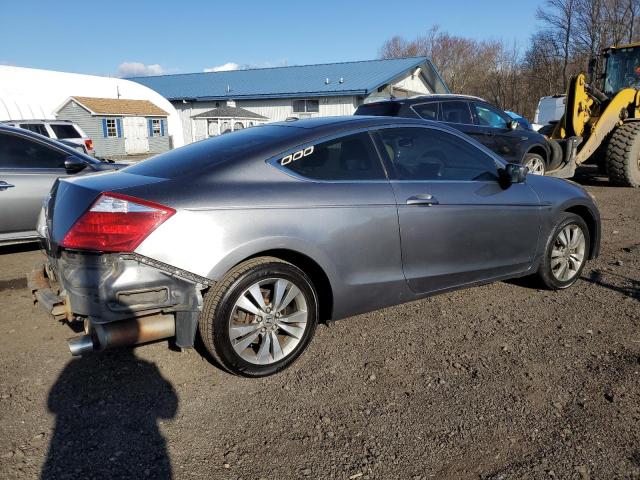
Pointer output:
62, 130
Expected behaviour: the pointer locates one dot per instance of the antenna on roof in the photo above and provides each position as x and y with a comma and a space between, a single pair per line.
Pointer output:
118, 90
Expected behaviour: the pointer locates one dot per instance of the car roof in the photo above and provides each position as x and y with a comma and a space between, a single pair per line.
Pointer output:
36, 120
336, 124
435, 97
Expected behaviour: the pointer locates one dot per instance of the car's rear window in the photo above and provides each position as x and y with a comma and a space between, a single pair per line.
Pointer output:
65, 131
264, 141
382, 109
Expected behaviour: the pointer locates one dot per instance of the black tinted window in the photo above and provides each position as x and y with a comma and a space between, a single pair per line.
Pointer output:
455, 112
346, 158
35, 127
429, 154
428, 111
19, 152
383, 109
65, 131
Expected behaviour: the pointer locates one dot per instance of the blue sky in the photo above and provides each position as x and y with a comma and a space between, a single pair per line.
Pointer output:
190, 36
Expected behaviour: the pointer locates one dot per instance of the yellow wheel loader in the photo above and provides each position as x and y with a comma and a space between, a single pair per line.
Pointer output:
601, 122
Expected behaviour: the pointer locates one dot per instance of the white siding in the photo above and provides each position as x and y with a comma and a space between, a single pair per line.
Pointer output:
276, 110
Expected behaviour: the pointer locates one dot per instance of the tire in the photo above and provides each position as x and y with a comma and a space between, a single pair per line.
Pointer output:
549, 270
232, 310
535, 163
623, 155
557, 155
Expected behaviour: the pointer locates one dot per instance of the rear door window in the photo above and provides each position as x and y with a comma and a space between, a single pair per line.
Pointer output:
347, 158
381, 109
428, 111
65, 131
21, 153
455, 111
36, 128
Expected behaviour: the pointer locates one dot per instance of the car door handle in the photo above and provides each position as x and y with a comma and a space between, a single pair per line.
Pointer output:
5, 185
424, 199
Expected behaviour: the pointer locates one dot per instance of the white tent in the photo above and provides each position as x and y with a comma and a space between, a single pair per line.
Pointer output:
29, 93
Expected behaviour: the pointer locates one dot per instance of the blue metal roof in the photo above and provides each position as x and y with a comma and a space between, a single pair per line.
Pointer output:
347, 78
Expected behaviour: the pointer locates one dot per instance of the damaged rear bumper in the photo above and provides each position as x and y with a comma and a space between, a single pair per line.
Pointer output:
123, 299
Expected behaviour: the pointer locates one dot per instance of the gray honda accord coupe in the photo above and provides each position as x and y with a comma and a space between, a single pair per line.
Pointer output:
252, 238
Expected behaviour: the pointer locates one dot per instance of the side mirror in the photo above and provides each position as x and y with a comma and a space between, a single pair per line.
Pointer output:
73, 164
513, 125
513, 173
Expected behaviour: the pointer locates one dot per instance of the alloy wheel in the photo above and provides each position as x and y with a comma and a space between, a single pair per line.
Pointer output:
567, 253
268, 321
536, 166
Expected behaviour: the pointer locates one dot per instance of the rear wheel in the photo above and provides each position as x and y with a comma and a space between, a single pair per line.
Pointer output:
566, 252
260, 317
535, 163
623, 155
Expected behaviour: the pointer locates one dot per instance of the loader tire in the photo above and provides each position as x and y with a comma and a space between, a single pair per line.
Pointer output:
623, 155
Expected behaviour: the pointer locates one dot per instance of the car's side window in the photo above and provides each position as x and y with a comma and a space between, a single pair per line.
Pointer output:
351, 157
428, 111
488, 116
431, 154
455, 111
21, 153
35, 127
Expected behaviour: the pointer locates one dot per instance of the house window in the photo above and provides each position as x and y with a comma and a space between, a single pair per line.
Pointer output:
306, 106
156, 128
112, 130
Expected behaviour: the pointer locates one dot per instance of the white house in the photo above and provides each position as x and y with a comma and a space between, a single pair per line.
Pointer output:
29, 93
213, 103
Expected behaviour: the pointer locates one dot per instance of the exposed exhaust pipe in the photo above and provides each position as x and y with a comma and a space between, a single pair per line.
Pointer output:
124, 333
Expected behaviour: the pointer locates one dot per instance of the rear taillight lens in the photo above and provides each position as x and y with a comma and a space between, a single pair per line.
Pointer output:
89, 144
116, 223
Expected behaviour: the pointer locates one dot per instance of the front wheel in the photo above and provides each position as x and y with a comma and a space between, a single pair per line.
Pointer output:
566, 252
260, 317
535, 164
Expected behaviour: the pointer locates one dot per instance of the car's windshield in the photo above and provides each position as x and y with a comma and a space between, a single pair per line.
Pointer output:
623, 70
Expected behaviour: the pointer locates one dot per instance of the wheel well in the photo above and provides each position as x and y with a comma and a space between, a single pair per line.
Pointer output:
588, 218
314, 271
538, 150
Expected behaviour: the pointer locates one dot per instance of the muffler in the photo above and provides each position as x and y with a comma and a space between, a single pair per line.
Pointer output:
124, 333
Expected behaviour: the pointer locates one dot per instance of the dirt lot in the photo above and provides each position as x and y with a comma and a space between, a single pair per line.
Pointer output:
503, 381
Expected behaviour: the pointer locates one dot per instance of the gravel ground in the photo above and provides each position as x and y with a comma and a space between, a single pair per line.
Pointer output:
503, 381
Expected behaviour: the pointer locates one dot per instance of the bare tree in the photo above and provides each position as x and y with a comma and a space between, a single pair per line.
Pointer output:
559, 17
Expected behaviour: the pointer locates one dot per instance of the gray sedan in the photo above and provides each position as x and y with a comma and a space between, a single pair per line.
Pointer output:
252, 238
29, 165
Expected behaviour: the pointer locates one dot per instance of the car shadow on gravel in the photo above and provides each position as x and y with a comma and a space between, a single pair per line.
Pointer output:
630, 287
107, 409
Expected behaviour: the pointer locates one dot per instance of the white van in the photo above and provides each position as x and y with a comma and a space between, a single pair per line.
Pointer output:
550, 110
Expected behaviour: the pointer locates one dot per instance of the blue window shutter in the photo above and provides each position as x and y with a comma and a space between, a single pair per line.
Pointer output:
104, 127
119, 127
150, 125
162, 127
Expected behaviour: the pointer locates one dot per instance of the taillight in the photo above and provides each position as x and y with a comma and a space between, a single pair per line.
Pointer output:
116, 223
89, 144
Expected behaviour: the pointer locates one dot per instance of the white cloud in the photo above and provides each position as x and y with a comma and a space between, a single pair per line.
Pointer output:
223, 68
138, 69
